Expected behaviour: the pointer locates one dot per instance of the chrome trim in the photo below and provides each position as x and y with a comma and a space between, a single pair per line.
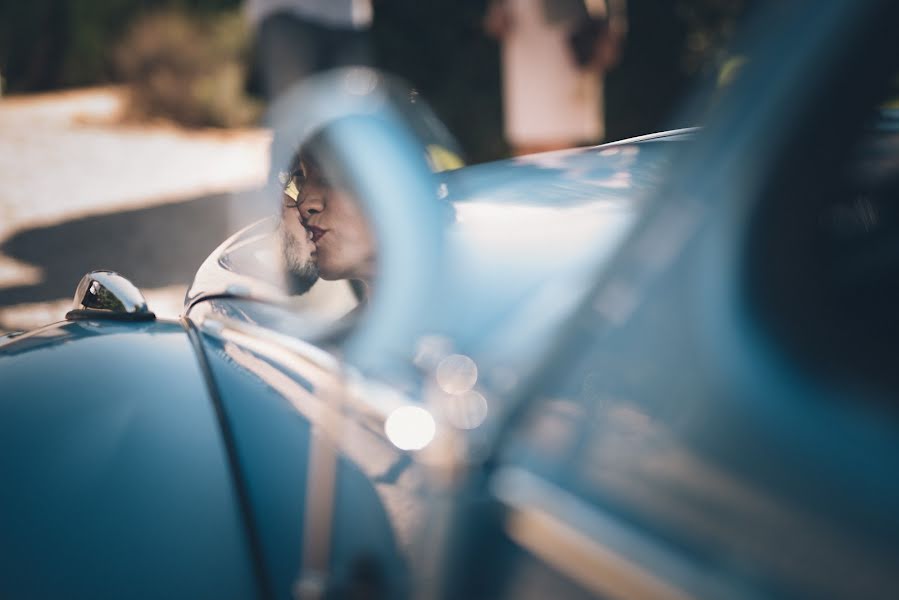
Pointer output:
108, 295
370, 401
684, 133
318, 520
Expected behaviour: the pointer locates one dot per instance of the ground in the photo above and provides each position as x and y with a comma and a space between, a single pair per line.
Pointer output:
82, 190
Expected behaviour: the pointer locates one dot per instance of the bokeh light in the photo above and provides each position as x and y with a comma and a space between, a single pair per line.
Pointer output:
410, 428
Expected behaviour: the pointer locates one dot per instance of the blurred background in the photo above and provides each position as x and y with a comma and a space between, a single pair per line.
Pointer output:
129, 128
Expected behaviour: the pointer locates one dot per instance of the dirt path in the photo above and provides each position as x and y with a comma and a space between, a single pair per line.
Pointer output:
70, 167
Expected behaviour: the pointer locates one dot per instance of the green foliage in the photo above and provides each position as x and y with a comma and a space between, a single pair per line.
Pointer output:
438, 45
48, 44
187, 69
94, 27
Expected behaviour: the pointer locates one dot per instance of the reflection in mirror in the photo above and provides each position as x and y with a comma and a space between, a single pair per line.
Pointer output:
349, 165
336, 241
324, 233
313, 255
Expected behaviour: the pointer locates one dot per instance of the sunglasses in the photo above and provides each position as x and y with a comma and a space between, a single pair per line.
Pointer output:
296, 182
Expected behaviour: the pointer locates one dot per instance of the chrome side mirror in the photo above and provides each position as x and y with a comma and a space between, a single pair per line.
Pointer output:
108, 295
384, 162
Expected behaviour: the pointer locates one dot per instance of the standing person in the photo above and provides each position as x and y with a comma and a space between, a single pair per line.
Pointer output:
554, 56
297, 38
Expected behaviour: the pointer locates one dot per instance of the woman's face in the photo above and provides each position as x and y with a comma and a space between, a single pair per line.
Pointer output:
344, 244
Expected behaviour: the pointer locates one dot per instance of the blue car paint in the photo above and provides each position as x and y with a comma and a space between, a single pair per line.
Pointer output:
272, 441
114, 476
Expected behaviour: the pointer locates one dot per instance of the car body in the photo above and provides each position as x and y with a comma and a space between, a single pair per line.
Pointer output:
194, 440
626, 379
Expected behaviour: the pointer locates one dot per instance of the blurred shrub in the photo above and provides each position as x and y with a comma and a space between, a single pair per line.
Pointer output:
48, 44
187, 69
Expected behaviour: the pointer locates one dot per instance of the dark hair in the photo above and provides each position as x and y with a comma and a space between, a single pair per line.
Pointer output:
317, 153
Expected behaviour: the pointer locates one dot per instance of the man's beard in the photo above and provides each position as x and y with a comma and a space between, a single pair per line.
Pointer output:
301, 274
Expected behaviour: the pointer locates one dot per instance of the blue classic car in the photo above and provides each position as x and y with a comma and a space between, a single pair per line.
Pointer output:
659, 368
247, 450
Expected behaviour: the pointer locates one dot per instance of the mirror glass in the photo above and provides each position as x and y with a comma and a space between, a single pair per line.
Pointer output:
305, 244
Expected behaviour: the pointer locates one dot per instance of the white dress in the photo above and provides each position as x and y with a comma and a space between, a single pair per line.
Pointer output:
547, 99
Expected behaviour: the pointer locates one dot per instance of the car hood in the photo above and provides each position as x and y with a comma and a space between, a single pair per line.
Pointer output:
531, 234
113, 469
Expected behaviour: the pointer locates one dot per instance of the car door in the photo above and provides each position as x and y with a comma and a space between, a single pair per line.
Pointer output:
334, 504
719, 419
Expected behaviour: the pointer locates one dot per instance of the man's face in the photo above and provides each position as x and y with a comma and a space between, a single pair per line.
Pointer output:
297, 248
344, 245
